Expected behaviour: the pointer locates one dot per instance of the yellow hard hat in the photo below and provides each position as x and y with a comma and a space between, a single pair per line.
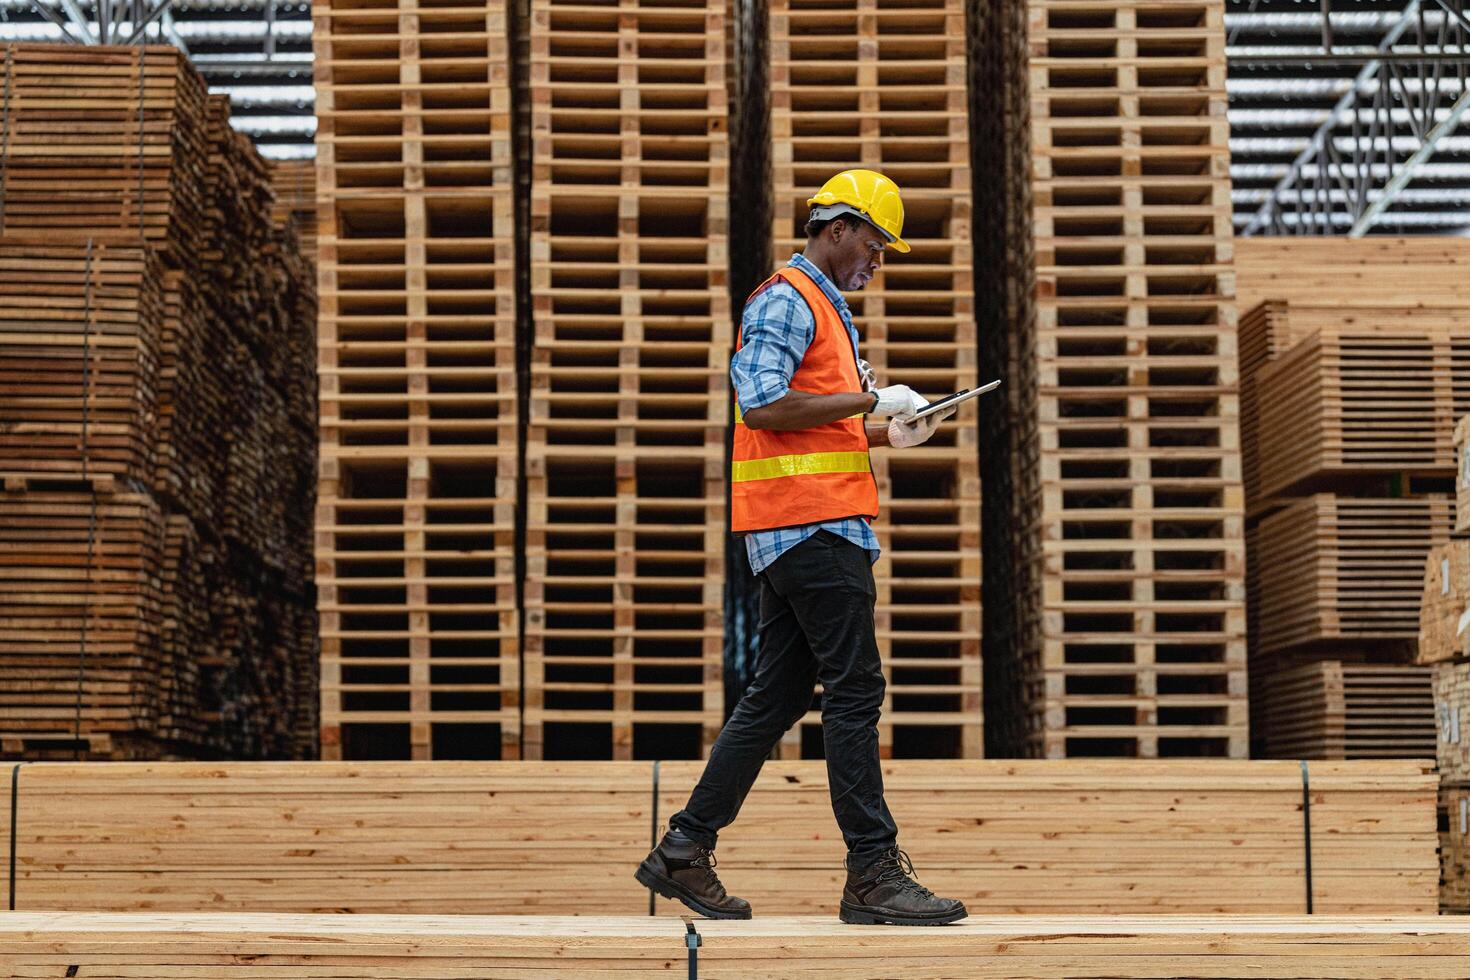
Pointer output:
868, 194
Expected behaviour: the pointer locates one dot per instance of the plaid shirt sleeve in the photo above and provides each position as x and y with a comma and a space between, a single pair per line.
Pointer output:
776, 329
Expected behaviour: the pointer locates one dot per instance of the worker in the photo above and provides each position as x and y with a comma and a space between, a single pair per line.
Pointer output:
803, 496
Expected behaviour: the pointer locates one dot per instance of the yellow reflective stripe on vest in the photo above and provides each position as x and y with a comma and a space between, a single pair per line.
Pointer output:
801, 464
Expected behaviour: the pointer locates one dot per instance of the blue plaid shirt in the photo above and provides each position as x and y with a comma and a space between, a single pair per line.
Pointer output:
776, 329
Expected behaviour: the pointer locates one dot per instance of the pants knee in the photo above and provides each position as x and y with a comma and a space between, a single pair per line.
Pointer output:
859, 702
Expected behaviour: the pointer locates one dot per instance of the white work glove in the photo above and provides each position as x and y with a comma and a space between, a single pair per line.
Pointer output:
867, 375
899, 401
904, 435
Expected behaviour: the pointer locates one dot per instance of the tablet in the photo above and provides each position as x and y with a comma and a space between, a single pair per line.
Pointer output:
955, 399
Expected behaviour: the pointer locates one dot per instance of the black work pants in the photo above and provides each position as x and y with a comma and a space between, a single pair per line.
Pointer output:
816, 623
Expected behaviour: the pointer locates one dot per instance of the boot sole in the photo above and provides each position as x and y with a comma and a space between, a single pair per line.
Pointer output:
669, 888
859, 915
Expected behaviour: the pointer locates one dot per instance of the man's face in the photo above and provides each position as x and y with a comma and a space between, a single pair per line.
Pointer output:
857, 253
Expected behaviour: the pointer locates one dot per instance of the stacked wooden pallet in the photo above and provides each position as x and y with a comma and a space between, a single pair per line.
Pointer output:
1128, 636
324, 947
1354, 370
861, 84
159, 435
630, 342
416, 520
1081, 837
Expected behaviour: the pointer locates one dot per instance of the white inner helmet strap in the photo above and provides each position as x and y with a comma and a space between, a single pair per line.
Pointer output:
826, 212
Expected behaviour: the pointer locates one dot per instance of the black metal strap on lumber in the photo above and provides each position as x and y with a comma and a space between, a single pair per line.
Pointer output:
692, 940
653, 836
1307, 828
14, 807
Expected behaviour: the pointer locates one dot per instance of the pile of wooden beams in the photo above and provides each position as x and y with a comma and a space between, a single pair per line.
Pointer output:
1354, 369
1328, 709
1080, 837
1123, 574
325, 947
294, 182
416, 559
630, 339
159, 435
859, 84
1444, 643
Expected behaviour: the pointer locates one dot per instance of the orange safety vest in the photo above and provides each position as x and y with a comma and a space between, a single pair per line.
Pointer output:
806, 476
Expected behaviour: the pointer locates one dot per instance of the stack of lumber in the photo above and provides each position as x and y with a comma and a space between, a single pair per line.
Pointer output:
1345, 575
1127, 632
1462, 476
416, 558
1327, 709
161, 439
629, 348
295, 185
1081, 837
302, 947
1353, 372
1454, 844
1443, 643
860, 84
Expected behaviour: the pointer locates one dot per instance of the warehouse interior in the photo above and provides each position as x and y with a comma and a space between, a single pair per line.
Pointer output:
366, 437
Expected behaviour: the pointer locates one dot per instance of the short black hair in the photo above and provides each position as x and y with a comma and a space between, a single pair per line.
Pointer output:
814, 227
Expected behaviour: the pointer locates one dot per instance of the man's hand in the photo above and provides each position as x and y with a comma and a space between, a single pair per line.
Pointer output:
904, 435
899, 401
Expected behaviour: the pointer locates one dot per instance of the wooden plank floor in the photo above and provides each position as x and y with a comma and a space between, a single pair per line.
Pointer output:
115, 945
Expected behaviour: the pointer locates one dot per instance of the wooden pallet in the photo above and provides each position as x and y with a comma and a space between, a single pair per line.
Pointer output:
1128, 636
316, 947
625, 526
1346, 573
417, 494
863, 85
1328, 709
1068, 837
1454, 847
1452, 720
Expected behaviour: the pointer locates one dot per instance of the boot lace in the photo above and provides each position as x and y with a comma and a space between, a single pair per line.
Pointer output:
895, 868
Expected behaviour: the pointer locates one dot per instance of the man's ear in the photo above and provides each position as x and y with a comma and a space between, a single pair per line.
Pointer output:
838, 227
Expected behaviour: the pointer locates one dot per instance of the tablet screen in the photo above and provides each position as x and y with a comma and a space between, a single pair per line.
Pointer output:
958, 396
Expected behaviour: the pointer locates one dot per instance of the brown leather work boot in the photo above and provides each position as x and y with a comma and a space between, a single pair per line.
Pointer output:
680, 868
885, 892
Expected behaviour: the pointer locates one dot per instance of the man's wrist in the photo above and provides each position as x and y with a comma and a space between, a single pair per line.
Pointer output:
876, 400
